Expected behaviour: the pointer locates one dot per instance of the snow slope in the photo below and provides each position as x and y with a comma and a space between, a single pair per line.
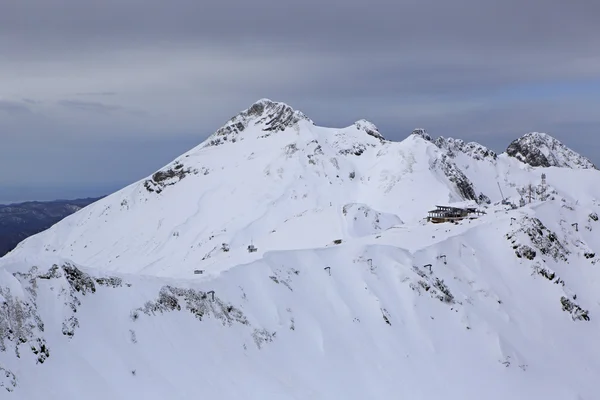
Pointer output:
349, 294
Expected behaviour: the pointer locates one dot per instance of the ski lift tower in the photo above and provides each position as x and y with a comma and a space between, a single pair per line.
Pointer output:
543, 188
504, 201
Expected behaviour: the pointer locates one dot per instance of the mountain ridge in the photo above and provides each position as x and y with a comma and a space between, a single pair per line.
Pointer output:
298, 263
277, 116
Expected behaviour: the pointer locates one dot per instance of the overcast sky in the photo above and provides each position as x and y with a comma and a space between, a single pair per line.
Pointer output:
97, 94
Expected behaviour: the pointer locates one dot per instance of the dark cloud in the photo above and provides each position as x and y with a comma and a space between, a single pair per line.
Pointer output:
496, 23
173, 72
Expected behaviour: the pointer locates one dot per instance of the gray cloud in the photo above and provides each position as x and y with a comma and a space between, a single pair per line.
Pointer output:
97, 94
89, 106
31, 101
175, 71
13, 107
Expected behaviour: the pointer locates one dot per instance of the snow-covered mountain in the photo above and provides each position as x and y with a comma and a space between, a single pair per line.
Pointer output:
542, 150
280, 259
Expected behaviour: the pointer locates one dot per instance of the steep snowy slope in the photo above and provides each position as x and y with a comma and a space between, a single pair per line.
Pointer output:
18, 221
156, 291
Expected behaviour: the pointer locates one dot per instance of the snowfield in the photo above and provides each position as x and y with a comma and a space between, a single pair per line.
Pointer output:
283, 260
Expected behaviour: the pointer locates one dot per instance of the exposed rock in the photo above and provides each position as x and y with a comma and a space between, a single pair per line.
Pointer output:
273, 116
577, 313
198, 303
433, 285
20, 322
472, 149
483, 199
79, 281
546, 272
369, 128
201, 305
421, 133
544, 240
168, 176
457, 177
524, 251
542, 150
20, 317
357, 149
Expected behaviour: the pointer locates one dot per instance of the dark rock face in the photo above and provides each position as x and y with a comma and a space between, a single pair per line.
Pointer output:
540, 237
276, 116
357, 149
422, 133
577, 313
272, 115
369, 128
524, 251
483, 199
542, 150
547, 245
19, 221
527, 154
472, 149
457, 177
167, 177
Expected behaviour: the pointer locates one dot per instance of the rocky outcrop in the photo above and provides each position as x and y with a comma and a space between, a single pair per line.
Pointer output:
167, 177
472, 149
540, 237
457, 177
422, 133
272, 116
369, 128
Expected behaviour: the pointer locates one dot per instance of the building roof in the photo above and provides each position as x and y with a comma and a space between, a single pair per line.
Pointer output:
449, 209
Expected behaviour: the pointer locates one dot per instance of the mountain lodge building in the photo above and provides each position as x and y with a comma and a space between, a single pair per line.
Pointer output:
452, 214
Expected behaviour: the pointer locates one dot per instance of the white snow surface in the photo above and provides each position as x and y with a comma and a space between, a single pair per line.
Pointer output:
350, 293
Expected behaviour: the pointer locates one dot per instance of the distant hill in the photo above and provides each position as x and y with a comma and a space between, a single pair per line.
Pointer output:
21, 220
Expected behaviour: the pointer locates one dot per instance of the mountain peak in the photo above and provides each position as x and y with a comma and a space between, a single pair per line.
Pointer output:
369, 128
271, 116
422, 133
539, 149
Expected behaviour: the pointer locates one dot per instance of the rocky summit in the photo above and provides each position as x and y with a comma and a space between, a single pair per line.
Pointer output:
542, 150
